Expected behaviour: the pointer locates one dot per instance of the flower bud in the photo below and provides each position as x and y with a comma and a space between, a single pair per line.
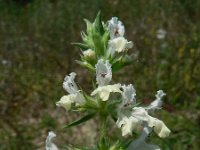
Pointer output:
89, 54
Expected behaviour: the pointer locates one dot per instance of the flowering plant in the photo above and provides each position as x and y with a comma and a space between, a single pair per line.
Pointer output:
104, 51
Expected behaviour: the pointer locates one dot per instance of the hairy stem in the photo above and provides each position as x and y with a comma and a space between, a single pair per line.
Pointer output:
102, 131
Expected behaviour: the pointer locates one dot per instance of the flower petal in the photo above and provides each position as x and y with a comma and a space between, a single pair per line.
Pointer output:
128, 125
119, 44
156, 104
128, 94
69, 85
116, 28
66, 101
159, 127
49, 144
104, 91
103, 72
140, 113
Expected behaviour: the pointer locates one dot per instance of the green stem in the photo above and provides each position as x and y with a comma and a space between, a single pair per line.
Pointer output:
102, 126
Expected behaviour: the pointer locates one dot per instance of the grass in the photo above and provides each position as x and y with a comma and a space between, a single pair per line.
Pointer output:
35, 55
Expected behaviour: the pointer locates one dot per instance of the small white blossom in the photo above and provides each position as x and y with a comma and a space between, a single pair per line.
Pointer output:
161, 34
49, 144
90, 54
140, 144
116, 28
66, 101
103, 72
74, 96
118, 44
104, 91
157, 103
69, 85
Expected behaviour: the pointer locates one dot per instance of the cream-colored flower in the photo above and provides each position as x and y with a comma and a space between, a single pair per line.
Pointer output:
49, 144
75, 96
104, 91
159, 127
119, 44
90, 54
128, 125
66, 101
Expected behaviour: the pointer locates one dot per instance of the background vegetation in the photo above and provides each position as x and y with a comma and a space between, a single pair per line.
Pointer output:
36, 54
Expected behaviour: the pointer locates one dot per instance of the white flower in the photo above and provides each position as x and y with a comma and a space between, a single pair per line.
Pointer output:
128, 95
103, 72
49, 144
125, 121
66, 101
116, 28
140, 144
89, 54
104, 91
161, 33
159, 127
118, 44
128, 124
69, 85
157, 103
74, 93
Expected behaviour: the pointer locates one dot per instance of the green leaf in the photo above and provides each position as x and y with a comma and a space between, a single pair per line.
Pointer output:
86, 64
98, 24
103, 144
99, 45
89, 26
81, 46
81, 120
117, 146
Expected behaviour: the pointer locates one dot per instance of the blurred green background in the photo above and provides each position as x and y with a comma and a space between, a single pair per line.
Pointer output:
36, 54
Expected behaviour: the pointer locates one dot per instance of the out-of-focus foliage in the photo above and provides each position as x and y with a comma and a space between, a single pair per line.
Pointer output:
35, 55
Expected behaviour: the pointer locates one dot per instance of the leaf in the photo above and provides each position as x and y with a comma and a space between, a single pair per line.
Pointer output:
98, 24
87, 65
81, 120
99, 45
81, 46
103, 144
89, 26
117, 146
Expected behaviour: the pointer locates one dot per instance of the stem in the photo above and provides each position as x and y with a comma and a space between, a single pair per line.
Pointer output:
102, 131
